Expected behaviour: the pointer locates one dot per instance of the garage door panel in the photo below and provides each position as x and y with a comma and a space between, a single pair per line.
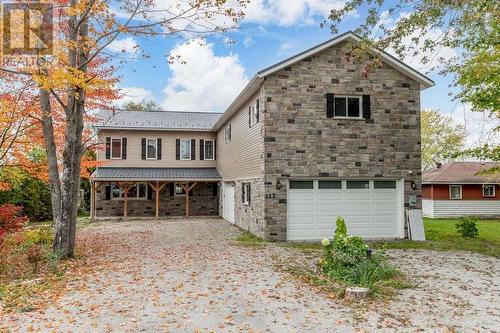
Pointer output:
369, 213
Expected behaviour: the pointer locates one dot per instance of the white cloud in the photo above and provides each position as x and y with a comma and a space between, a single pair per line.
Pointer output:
289, 12
201, 80
134, 94
248, 41
126, 45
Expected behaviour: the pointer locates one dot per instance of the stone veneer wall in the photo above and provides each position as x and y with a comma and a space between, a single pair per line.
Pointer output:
201, 203
250, 217
300, 141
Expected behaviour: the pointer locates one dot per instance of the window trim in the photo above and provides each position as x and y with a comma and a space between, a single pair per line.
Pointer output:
494, 191
181, 141
360, 99
450, 193
205, 150
156, 149
245, 200
175, 190
122, 196
111, 149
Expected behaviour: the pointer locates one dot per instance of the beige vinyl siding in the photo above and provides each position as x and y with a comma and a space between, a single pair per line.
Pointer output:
242, 157
168, 138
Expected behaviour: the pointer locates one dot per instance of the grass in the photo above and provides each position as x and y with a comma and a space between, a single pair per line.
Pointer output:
246, 238
441, 234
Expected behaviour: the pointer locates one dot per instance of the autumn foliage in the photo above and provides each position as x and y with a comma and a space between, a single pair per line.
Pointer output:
11, 219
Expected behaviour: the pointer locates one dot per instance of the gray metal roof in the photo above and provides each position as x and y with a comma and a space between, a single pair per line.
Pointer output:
105, 173
161, 120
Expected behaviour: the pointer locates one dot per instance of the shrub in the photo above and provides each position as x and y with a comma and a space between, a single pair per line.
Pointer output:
349, 259
35, 255
39, 236
10, 219
466, 227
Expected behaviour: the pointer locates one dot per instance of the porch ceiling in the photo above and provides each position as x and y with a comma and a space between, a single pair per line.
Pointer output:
155, 174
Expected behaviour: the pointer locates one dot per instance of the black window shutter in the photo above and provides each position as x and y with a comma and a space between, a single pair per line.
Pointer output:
249, 116
330, 106
215, 149
107, 190
257, 110
249, 193
215, 189
193, 149
143, 150
367, 113
202, 149
229, 132
177, 149
149, 191
243, 193
158, 148
172, 189
124, 148
108, 148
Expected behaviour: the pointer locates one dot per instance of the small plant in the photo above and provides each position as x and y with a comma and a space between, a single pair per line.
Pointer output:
11, 219
35, 255
467, 227
39, 236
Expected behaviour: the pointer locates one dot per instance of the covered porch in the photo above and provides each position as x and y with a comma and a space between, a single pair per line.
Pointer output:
126, 192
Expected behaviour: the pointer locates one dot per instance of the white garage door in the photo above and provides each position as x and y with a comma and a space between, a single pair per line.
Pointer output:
371, 208
228, 202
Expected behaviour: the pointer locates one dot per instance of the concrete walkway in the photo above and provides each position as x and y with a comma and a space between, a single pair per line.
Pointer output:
189, 276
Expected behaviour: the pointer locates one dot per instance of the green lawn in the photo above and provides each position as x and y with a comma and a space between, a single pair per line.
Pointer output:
441, 234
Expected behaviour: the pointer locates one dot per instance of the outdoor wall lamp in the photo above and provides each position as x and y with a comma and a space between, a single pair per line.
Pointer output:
413, 185
278, 185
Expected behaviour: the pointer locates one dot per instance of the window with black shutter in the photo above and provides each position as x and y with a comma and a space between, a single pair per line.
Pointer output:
143, 148
108, 148
158, 144
124, 148
202, 149
193, 149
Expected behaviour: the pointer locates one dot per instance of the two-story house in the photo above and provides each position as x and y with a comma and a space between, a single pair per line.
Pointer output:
308, 139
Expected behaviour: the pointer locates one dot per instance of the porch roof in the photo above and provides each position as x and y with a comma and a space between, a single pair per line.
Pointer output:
155, 174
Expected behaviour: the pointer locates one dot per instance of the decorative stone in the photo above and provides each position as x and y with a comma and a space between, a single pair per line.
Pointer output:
356, 293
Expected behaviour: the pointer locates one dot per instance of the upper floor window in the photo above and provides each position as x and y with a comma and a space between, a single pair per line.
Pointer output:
185, 149
348, 107
151, 149
253, 113
227, 133
488, 190
116, 148
455, 191
209, 150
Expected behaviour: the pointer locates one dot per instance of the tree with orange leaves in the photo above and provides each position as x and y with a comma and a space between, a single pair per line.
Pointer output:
63, 76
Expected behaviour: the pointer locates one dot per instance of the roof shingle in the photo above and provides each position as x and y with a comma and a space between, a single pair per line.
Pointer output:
461, 172
161, 120
105, 173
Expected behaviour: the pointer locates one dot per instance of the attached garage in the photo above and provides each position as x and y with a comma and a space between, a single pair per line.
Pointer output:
372, 209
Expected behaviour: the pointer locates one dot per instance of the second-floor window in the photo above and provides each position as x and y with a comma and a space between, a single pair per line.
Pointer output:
348, 107
116, 148
185, 149
151, 149
227, 133
209, 149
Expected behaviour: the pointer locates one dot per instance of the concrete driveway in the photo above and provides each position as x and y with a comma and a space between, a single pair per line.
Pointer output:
189, 276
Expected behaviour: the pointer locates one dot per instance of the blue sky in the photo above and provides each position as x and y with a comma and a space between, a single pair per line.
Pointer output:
212, 72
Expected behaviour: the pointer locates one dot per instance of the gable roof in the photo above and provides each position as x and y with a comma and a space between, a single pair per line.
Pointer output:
461, 173
254, 85
157, 120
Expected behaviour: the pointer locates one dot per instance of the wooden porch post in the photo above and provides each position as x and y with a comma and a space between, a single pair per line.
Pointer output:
125, 187
157, 188
188, 188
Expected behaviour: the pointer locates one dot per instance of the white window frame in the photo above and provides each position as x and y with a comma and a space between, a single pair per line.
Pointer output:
246, 194
460, 187
489, 186
360, 114
111, 149
253, 113
227, 133
205, 150
189, 150
116, 188
156, 148
175, 190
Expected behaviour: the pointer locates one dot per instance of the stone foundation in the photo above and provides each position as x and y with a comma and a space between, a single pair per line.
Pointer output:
250, 217
203, 202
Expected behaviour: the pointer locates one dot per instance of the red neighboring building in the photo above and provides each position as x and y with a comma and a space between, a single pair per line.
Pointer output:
455, 189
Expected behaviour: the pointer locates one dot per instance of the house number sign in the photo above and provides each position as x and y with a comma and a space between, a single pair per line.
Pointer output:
270, 195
